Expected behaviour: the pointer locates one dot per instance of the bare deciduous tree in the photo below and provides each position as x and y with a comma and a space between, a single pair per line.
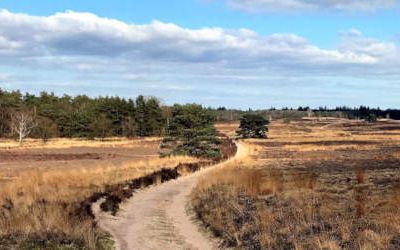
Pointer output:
22, 123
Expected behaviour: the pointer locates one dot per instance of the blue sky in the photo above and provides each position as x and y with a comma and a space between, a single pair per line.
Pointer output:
319, 27
248, 53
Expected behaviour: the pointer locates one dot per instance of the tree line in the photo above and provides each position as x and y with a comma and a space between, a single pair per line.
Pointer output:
361, 112
187, 129
47, 115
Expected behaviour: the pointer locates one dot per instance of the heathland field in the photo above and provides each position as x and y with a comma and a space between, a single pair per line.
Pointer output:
46, 189
314, 184
74, 153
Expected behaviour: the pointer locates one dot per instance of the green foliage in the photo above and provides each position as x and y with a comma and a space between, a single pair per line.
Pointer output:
45, 129
140, 115
129, 127
8, 101
101, 127
191, 132
253, 126
82, 116
149, 118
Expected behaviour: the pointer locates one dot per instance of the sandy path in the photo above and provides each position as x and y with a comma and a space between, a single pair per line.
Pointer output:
157, 218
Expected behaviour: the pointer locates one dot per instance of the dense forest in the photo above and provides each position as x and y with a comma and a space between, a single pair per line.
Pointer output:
80, 116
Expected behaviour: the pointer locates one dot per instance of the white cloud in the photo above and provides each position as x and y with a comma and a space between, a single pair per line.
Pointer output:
354, 42
309, 5
106, 52
63, 37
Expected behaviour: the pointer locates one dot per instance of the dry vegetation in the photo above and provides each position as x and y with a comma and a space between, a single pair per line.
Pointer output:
44, 188
61, 143
227, 128
315, 184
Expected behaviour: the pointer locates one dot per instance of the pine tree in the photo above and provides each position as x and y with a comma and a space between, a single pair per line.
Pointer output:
140, 115
252, 126
154, 121
192, 132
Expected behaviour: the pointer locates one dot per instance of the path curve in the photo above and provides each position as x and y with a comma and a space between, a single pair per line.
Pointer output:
157, 217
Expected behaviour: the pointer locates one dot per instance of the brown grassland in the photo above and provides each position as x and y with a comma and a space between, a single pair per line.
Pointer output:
43, 187
314, 184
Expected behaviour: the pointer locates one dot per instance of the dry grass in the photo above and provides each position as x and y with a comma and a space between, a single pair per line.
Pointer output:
329, 184
227, 128
41, 203
60, 143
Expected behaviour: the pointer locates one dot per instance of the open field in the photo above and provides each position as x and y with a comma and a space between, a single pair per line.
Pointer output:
227, 128
314, 184
72, 153
61, 143
44, 188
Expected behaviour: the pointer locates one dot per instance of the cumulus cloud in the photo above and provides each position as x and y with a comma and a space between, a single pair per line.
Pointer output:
94, 49
59, 38
307, 5
354, 42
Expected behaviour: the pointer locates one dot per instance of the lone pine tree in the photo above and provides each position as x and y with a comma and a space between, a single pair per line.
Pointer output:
253, 126
191, 132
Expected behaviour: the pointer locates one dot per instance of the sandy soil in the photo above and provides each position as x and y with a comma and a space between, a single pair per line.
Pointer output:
158, 217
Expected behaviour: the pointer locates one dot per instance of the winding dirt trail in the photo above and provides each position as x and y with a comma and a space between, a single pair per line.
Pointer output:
157, 217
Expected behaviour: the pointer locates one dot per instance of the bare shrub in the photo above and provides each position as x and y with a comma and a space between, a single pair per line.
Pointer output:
22, 123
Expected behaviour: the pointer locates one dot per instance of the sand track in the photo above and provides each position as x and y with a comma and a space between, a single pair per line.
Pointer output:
157, 217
